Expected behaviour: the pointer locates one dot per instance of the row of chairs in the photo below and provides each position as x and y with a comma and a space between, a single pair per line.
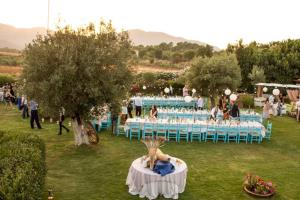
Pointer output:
204, 116
199, 133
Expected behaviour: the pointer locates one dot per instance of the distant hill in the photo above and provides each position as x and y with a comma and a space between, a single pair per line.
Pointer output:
16, 38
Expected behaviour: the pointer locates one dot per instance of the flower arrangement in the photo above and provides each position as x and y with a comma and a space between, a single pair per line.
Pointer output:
255, 185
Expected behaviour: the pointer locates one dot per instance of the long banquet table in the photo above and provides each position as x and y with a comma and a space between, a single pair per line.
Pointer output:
166, 113
165, 101
250, 125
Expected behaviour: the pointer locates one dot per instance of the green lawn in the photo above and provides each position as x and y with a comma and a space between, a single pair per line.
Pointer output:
215, 171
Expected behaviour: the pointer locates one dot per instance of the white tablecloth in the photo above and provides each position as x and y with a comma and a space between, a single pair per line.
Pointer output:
145, 183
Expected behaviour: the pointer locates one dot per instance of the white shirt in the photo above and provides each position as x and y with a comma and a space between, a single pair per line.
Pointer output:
124, 110
271, 99
138, 101
212, 112
200, 103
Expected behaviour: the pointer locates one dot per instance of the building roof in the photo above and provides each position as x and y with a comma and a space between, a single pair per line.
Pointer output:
278, 85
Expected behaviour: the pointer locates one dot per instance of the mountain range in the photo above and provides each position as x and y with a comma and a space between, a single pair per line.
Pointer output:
16, 38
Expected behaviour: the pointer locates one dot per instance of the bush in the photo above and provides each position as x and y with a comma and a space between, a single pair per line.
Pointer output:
247, 101
4, 79
22, 166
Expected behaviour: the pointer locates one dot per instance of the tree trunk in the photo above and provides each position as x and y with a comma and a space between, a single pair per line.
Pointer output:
212, 101
80, 134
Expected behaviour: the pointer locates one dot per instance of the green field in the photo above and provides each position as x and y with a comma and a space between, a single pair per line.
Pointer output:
215, 171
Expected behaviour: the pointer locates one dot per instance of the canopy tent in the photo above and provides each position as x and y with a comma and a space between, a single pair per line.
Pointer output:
292, 90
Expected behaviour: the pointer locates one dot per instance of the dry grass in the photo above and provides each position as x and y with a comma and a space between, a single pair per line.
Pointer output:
2, 53
143, 69
11, 70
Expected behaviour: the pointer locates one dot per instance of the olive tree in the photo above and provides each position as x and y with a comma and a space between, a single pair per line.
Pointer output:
211, 75
78, 69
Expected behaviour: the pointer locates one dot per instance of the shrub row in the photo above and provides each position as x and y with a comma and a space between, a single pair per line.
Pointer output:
22, 166
5, 79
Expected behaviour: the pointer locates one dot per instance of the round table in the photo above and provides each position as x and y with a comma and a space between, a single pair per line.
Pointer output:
145, 183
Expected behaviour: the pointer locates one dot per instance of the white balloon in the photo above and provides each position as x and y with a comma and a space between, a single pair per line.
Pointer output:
167, 90
227, 91
193, 90
144, 87
188, 99
276, 92
265, 89
233, 97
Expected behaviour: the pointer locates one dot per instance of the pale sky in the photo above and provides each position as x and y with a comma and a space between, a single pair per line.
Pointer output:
217, 22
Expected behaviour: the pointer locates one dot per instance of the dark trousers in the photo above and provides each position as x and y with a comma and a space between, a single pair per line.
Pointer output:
138, 111
61, 125
25, 111
34, 117
129, 114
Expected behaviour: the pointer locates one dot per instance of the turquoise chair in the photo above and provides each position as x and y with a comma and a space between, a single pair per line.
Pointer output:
269, 131
121, 128
243, 134
172, 132
183, 132
148, 130
232, 134
210, 133
196, 132
255, 134
221, 133
161, 130
134, 131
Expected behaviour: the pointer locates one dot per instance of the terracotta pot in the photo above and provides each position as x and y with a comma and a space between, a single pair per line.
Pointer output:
258, 195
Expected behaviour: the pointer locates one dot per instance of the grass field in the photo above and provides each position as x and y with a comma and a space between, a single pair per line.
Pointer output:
215, 171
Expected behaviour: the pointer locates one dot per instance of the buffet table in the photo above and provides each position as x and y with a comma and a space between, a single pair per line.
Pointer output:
145, 183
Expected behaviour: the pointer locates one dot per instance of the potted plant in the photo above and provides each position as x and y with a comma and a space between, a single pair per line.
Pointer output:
256, 186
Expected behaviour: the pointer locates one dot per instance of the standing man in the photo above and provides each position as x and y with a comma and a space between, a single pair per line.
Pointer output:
24, 106
61, 120
34, 114
138, 105
234, 111
129, 108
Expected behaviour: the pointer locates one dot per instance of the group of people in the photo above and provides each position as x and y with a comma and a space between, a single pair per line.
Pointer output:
8, 94
229, 108
273, 106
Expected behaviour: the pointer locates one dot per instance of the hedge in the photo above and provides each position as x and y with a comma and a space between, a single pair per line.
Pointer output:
22, 166
247, 100
5, 79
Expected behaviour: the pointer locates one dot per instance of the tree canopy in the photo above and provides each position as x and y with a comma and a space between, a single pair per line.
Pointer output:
210, 76
78, 69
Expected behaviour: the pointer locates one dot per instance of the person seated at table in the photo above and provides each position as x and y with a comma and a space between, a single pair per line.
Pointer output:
153, 112
214, 112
